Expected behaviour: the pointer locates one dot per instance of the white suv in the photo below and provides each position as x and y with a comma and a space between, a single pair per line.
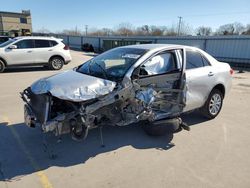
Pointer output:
23, 51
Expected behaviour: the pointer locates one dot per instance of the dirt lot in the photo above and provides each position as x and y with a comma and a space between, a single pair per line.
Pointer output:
214, 153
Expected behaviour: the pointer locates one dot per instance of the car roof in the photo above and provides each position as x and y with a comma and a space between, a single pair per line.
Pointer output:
38, 37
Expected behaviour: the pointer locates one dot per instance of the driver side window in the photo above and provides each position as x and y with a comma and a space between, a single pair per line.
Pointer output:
23, 44
159, 64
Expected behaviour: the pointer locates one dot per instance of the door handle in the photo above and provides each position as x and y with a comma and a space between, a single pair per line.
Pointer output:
50, 50
29, 51
210, 74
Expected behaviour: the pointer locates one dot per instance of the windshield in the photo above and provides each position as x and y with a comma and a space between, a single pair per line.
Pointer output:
7, 43
113, 64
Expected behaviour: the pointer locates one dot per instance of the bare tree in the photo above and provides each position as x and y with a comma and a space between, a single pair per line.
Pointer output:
101, 32
143, 30
204, 31
230, 29
157, 31
124, 29
171, 31
238, 28
73, 32
247, 30
43, 30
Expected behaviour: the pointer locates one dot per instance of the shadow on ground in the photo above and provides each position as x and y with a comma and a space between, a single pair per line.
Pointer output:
25, 69
193, 118
19, 145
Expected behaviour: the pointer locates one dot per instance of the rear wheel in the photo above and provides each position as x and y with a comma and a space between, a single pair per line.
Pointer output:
213, 104
56, 63
2, 66
161, 127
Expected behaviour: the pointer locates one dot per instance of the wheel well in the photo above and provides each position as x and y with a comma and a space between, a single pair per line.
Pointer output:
221, 88
56, 56
5, 63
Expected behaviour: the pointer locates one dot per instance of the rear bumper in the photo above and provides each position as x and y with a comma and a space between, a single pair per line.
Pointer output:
67, 58
67, 62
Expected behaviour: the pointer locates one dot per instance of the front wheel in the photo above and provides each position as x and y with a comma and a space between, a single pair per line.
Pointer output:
56, 63
161, 127
213, 104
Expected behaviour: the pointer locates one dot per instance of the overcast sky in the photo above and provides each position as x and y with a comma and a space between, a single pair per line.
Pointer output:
57, 15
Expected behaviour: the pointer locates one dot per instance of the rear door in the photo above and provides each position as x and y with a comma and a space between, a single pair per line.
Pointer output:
44, 50
23, 54
162, 81
200, 79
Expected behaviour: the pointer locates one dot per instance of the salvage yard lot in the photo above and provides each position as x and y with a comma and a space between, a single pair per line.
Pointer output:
214, 153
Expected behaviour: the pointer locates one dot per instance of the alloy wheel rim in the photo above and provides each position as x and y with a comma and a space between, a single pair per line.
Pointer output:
215, 104
57, 63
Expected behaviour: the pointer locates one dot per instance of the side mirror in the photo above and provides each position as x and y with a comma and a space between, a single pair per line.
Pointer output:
135, 74
12, 47
135, 77
143, 71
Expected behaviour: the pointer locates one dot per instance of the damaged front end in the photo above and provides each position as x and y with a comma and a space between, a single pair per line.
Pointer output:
60, 106
55, 115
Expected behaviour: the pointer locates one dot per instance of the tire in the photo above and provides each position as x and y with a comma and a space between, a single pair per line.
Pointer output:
2, 66
213, 105
56, 63
161, 127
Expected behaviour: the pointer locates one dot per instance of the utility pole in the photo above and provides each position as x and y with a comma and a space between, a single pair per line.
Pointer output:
179, 25
86, 30
76, 31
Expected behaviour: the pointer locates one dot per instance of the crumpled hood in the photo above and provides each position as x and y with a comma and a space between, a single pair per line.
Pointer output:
73, 86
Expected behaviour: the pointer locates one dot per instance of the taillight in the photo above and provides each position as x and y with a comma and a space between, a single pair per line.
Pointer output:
231, 71
66, 47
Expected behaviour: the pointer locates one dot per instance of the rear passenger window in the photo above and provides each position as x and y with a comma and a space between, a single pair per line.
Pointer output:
42, 44
194, 60
53, 43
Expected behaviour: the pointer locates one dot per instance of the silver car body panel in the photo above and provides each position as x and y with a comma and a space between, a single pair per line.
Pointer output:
150, 98
73, 86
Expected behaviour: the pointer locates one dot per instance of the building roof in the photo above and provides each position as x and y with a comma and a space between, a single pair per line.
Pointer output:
23, 13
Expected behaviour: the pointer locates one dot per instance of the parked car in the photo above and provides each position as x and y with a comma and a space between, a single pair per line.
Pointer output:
3, 39
151, 83
23, 51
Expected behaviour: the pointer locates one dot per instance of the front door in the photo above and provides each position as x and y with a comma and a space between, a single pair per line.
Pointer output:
23, 54
162, 84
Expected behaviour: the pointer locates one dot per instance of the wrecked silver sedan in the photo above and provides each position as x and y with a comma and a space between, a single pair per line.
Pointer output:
150, 83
